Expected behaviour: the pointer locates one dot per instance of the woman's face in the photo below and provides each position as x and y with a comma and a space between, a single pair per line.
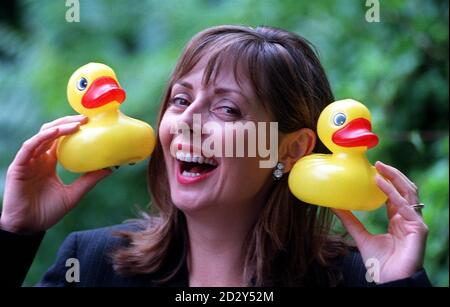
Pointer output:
220, 182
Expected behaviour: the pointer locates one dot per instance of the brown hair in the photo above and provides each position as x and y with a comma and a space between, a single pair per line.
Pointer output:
290, 239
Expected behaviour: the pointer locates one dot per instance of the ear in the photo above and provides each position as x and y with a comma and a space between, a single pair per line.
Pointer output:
296, 145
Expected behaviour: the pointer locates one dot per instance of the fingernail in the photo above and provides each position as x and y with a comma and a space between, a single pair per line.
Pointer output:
81, 117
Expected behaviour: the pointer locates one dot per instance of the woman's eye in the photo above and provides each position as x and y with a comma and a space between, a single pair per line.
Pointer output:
179, 101
339, 119
82, 84
232, 111
229, 111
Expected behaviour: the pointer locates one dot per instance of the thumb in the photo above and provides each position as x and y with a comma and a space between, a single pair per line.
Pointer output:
84, 184
354, 227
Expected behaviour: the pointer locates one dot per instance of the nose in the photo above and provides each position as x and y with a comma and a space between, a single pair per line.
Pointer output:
188, 126
195, 114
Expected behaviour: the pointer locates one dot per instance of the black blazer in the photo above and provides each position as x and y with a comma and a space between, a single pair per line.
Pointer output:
93, 247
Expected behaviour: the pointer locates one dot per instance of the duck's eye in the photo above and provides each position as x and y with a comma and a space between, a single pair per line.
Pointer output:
82, 84
339, 119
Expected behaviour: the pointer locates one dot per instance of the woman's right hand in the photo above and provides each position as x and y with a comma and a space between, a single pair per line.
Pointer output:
35, 198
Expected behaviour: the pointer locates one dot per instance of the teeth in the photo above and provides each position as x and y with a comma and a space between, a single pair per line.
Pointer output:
210, 161
188, 174
187, 157
180, 155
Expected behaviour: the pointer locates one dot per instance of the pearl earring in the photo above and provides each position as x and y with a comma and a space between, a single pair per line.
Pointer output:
278, 172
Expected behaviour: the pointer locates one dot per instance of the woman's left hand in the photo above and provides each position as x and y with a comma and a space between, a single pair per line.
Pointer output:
398, 253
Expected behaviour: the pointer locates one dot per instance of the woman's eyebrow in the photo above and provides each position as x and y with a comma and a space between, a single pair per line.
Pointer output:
184, 84
217, 90
224, 90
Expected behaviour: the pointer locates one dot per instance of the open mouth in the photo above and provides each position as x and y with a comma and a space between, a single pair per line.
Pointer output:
194, 168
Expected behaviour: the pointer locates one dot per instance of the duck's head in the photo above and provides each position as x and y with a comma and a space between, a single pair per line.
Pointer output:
94, 89
345, 126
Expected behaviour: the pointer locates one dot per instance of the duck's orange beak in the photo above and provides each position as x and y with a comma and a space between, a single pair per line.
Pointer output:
102, 91
356, 133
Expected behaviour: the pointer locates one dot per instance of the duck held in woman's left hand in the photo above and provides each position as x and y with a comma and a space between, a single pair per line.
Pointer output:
344, 179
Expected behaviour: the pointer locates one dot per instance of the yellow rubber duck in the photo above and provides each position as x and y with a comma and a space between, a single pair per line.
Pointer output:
344, 179
110, 138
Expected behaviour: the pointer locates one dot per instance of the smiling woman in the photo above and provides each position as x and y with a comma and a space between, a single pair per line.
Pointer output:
221, 221
237, 58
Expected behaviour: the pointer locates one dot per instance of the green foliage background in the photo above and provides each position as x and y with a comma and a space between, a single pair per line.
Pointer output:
398, 67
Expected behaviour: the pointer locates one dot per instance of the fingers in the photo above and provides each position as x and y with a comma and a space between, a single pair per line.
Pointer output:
405, 186
65, 120
399, 203
84, 184
81, 119
390, 209
354, 227
43, 148
29, 147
